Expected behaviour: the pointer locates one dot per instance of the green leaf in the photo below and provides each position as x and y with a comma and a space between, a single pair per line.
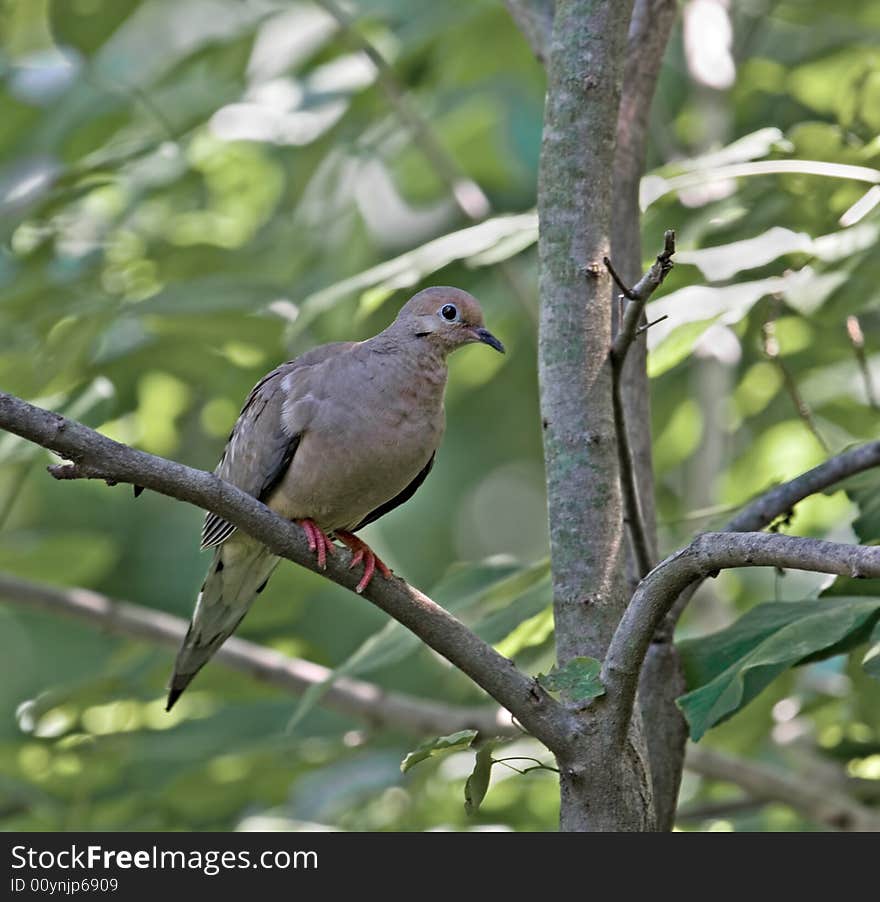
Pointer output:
530, 633
578, 680
478, 782
871, 661
864, 491
439, 745
483, 244
728, 669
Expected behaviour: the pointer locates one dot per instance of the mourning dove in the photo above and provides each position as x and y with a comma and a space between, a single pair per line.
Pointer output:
332, 440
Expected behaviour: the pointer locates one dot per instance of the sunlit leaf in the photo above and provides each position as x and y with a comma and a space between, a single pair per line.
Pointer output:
871, 660
654, 189
454, 742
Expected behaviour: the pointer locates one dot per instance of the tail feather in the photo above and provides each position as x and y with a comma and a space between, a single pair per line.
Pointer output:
239, 571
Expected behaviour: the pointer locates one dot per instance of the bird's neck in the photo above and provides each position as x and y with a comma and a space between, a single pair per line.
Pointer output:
413, 359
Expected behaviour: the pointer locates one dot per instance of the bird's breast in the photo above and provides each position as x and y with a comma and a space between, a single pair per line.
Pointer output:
362, 447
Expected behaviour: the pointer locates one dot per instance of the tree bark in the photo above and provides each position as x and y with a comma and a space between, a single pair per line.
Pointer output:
603, 777
662, 679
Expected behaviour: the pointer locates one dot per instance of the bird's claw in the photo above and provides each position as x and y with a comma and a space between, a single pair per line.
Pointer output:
319, 543
362, 552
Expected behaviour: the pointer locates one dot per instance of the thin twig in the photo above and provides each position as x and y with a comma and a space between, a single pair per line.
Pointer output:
350, 696
857, 339
638, 296
540, 765
772, 352
632, 504
630, 328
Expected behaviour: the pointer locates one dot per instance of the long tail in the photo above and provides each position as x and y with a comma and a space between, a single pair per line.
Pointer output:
239, 572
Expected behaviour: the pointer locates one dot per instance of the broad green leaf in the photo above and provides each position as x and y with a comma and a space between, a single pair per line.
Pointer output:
454, 742
528, 634
578, 680
871, 661
500, 623
726, 260
729, 668
864, 491
478, 782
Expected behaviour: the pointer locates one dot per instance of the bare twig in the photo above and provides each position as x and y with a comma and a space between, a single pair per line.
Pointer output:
705, 556
817, 801
638, 296
96, 456
347, 695
857, 340
629, 329
772, 352
635, 519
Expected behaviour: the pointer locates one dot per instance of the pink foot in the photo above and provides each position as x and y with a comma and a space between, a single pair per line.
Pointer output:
362, 552
318, 542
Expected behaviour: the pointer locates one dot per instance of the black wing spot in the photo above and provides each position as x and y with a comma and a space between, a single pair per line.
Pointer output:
219, 567
398, 499
274, 478
263, 585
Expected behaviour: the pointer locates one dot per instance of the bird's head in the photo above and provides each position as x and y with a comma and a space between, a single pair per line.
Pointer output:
447, 317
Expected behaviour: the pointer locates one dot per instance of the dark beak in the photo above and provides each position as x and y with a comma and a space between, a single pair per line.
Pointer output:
487, 338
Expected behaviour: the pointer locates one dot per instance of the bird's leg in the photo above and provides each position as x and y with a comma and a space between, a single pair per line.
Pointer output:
318, 541
362, 552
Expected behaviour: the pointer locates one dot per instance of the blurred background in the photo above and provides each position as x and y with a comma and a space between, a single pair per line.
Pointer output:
192, 192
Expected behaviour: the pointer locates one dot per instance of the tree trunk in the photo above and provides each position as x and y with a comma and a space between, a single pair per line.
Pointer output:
605, 785
662, 680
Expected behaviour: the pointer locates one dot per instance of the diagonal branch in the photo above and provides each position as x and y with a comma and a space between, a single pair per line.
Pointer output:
816, 801
779, 502
349, 696
704, 557
98, 457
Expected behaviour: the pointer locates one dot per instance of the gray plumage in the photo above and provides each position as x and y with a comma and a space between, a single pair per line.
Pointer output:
337, 437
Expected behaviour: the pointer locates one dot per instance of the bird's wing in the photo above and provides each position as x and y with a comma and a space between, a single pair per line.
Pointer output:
399, 498
265, 436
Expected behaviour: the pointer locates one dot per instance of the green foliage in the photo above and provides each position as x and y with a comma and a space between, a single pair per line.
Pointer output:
193, 192
577, 680
477, 784
726, 670
452, 743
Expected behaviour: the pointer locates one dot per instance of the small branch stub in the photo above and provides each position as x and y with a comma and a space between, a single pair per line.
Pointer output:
638, 296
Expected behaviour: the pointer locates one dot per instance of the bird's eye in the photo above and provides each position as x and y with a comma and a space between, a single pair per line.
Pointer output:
449, 312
